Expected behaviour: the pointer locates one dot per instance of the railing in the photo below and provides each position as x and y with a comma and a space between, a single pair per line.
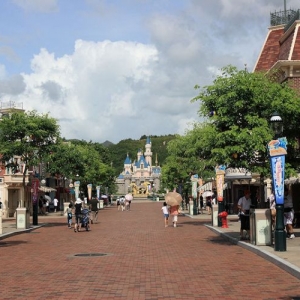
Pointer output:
10, 104
292, 20
283, 17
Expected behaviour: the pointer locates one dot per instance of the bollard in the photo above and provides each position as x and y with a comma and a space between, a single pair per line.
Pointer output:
223, 215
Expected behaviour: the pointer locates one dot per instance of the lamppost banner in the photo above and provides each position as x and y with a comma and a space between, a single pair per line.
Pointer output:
220, 174
98, 191
35, 190
277, 152
89, 188
76, 184
194, 185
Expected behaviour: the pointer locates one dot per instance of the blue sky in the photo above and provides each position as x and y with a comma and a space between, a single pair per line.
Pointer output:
117, 69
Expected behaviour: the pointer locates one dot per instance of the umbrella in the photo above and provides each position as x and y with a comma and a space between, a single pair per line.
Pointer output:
47, 189
48, 198
207, 194
173, 198
104, 196
128, 197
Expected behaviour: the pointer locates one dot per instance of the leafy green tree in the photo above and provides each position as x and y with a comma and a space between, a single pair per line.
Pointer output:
239, 105
188, 154
82, 159
29, 135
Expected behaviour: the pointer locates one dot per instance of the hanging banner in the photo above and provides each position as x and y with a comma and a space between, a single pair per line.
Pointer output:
277, 152
194, 180
35, 190
89, 188
98, 191
220, 174
76, 185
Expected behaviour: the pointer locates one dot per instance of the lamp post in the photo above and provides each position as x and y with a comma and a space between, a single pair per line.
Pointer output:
153, 186
277, 151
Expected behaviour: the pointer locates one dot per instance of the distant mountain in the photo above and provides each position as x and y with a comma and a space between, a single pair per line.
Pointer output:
107, 144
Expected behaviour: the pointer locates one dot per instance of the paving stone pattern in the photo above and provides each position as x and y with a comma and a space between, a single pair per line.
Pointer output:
144, 260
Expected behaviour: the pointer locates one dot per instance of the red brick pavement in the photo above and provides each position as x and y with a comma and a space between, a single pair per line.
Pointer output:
144, 260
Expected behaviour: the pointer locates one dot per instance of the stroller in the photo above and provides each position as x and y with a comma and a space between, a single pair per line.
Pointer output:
85, 219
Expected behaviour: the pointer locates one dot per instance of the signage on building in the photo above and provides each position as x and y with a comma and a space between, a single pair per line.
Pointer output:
237, 173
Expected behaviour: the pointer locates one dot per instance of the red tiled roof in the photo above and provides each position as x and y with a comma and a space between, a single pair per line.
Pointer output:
296, 49
271, 49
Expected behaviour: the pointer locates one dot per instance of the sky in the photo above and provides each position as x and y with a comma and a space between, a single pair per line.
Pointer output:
119, 69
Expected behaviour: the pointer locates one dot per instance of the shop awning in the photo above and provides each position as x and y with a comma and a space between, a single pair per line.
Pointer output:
205, 187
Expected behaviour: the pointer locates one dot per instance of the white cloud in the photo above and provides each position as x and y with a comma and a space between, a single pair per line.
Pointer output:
134, 85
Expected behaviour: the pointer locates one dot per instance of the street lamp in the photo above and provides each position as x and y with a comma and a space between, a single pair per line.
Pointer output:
277, 167
276, 125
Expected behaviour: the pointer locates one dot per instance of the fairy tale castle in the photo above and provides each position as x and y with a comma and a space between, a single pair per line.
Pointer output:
140, 177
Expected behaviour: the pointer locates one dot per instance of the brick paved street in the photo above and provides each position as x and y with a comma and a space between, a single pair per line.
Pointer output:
144, 261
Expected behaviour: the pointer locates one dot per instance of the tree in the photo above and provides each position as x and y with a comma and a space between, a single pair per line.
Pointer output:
82, 159
187, 155
29, 135
238, 105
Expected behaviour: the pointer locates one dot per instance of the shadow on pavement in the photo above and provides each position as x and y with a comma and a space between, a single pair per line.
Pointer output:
11, 243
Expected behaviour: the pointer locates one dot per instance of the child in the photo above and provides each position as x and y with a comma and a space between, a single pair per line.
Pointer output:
174, 211
165, 211
122, 203
69, 215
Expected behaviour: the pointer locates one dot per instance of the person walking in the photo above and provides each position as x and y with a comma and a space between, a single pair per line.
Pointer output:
93, 206
78, 207
165, 210
118, 203
174, 211
55, 202
122, 203
288, 213
69, 215
208, 204
244, 204
201, 204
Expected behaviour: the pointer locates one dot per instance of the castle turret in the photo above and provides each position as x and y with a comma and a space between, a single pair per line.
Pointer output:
148, 152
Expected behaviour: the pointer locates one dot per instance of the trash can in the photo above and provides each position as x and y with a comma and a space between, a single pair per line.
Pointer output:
101, 204
260, 227
23, 218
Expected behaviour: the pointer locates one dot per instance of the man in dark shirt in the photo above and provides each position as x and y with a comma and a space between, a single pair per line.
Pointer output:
94, 208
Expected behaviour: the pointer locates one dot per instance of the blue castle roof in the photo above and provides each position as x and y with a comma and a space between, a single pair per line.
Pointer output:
142, 160
127, 160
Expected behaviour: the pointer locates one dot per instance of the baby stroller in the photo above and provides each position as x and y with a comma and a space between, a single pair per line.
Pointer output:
85, 219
